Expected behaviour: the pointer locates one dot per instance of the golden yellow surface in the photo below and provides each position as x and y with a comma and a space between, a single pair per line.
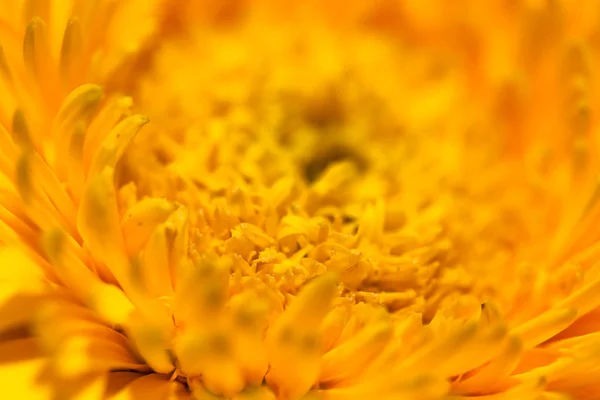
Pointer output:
327, 200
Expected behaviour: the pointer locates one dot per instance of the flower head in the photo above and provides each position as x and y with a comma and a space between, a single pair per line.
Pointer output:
330, 201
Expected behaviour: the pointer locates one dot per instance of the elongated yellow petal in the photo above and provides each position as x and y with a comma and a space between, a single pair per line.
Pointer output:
539, 329
333, 325
209, 353
78, 108
293, 343
109, 301
419, 387
71, 54
141, 220
443, 350
105, 121
80, 105
99, 224
75, 171
493, 373
35, 46
349, 359
37, 58
20, 131
115, 144
54, 190
249, 320
153, 342
156, 271
178, 238
530, 390
71, 319
80, 354
484, 347
584, 299
38, 206
203, 292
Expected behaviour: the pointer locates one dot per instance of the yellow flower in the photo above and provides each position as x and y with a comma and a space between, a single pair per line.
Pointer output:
375, 200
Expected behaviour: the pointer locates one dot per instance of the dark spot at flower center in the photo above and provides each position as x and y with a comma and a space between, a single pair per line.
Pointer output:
322, 159
325, 109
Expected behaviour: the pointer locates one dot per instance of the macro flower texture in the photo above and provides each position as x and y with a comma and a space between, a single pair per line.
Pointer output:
299, 200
